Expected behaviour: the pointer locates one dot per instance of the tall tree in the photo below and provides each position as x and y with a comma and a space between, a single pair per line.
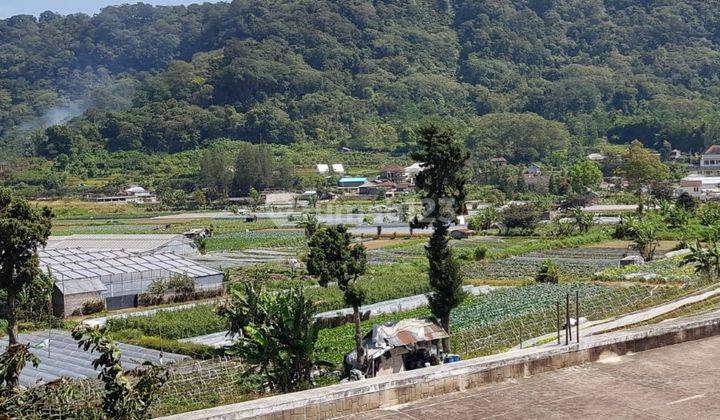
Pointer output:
641, 168
334, 258
442, 186
22, 230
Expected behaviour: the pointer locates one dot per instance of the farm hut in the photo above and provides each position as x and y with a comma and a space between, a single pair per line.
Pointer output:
198, 233
115, 277
404, 345
279, 198
632, 260
322, 168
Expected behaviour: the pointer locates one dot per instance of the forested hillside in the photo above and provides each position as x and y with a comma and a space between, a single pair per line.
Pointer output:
521, 78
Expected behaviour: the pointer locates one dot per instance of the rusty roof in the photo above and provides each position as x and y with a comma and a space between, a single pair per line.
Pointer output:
713, 150
406, 332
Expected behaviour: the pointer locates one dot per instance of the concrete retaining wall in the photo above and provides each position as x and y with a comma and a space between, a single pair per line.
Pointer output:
355, 397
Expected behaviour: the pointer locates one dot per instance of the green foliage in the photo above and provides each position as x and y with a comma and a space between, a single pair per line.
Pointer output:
642, 168
92, 307
24, 228
310, 224
705, 260
484, 219
480, 253
127, 395
585, 175
709, 214
520, 138
12, 362
644, 231
549, 272
192, 322
523, 217
277, 333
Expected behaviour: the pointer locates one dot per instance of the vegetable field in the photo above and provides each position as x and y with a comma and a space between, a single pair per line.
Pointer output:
237, 241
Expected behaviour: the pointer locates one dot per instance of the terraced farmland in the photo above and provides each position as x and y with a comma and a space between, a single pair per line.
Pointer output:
575, 263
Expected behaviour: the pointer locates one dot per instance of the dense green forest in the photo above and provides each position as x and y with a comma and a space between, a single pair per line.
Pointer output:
522, 78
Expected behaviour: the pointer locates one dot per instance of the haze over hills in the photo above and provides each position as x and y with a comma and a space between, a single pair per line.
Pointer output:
521, 78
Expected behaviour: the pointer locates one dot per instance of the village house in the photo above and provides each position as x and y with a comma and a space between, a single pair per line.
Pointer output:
133, 194
709, 162
351, 182
533, 169
393, 172
499, 161
700, 186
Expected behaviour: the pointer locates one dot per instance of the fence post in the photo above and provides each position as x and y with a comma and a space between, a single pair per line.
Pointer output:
568, 334
577, 315
557, 310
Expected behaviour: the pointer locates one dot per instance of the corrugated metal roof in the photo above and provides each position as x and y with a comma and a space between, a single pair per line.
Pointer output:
406, 332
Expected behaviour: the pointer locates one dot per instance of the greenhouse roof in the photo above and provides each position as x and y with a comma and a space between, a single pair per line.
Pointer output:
60, 357
71, 265
134, 242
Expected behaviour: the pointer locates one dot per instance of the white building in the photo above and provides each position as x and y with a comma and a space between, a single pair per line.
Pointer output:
133, 194
710, 162
338, 168
700, 186
322, 168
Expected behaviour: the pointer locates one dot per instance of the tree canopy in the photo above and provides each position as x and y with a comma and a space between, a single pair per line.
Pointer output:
525, 75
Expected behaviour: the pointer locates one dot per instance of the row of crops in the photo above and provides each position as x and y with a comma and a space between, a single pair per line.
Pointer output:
574, 263
272, 238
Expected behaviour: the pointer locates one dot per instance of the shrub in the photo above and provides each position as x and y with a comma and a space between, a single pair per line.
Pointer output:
549, 272
181, 284
92, 307
709, 214
480, 253
484, 219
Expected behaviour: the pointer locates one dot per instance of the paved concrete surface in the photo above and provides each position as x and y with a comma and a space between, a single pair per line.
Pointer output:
675, 382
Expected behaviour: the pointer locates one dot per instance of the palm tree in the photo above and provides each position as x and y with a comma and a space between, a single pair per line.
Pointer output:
583, 221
